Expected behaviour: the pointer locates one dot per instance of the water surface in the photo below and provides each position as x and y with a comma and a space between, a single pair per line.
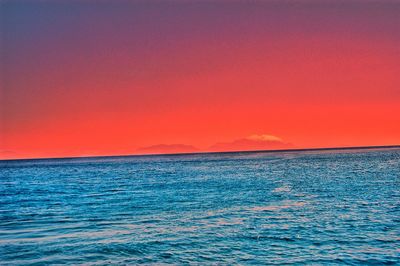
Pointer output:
321, 207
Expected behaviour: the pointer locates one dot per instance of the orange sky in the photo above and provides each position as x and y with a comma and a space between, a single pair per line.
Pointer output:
83, 79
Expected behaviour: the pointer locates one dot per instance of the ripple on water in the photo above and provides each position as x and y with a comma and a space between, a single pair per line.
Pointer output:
254, 208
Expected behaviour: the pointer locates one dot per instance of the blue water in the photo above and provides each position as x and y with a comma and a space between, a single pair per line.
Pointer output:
325, 207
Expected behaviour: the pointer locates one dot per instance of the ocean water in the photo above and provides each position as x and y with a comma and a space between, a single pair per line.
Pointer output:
319, 207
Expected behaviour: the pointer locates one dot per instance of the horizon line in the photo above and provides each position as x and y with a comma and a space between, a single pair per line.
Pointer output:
213, 152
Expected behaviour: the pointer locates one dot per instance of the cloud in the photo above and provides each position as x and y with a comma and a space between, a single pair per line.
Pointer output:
252, 143
167, 148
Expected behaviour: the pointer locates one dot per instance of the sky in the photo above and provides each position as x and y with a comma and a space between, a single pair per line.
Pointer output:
83, 78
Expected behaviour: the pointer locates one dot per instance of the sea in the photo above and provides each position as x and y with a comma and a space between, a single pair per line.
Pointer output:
325, 207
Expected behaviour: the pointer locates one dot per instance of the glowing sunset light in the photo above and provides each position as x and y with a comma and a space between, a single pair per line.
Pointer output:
133, 77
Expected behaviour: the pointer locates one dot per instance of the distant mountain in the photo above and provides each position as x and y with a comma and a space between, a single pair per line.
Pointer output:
167, 148
6, 154
255, 142
250, 143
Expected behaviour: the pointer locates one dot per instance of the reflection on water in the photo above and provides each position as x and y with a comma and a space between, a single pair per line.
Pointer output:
284, 205
284, 188
242, 208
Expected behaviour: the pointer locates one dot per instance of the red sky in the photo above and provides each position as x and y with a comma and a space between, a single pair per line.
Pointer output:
79, 78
